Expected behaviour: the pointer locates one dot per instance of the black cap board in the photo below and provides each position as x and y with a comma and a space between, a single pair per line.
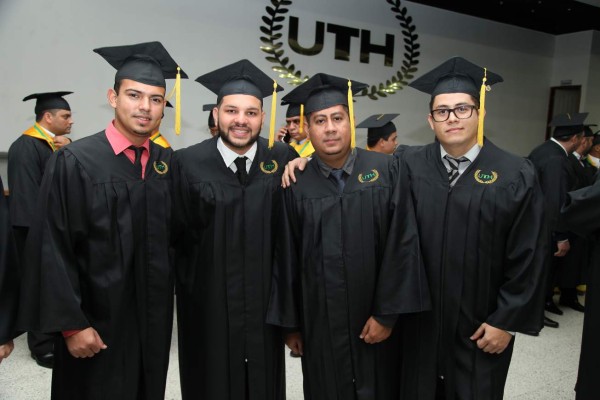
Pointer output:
568, 124
49, 101
147, 63
241, 77
322, 91
379, 125
455, 75
587, 130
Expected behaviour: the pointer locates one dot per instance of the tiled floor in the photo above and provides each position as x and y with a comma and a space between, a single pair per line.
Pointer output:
542, 368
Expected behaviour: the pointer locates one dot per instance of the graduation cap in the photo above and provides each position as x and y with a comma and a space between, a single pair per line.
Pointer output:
596, 139
568, 124
458, 75
243, 77
211, 119
49, 101
148, 63
587, 130
322, 91
293, 110
379, 126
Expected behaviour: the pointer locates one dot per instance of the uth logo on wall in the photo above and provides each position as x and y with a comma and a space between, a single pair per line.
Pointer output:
272, 38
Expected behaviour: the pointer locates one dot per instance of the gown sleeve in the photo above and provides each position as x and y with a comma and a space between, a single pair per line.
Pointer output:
51, 282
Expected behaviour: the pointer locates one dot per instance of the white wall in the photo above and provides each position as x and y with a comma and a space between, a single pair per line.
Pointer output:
49, 48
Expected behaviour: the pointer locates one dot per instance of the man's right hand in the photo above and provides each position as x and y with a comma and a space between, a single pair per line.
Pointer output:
6, 349
281, 133
563, 248
86, 343
288, 175
294, 342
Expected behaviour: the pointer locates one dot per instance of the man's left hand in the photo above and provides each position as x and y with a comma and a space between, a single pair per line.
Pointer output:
61, 141
490, 339
374, 332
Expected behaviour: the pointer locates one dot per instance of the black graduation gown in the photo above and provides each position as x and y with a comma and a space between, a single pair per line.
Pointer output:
342, 258
582, 215
98, 256
571, 266
224, 262
27, 158
9, 273
483, 248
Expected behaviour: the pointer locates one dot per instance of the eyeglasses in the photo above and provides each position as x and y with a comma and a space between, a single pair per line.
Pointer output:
460, 112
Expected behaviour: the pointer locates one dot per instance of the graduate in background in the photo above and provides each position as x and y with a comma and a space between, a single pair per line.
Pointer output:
97, 267
480, 218
9, 280
581, 215
295, 132
382, 135
27, 158
347, 256
157, 137
224, 204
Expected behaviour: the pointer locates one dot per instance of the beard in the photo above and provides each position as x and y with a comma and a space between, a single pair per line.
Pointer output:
224, 135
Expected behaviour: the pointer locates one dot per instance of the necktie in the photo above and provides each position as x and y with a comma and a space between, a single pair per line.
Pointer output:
337, 175
454, 163
241, 173
137, 163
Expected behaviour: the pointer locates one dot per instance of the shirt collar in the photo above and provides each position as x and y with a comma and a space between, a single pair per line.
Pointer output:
471, 155
47, 131
561, 146
348, 166
118, 142
229, 155
577, 155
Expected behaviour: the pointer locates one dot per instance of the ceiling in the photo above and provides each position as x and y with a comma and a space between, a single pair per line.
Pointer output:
551, 16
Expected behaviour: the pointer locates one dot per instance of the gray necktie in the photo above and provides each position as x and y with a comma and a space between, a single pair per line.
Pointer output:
337, 175
454, 163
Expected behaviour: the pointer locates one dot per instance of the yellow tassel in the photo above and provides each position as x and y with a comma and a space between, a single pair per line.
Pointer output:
178, 102
351, 115
301, 128
481, 109
273, 108
177, 92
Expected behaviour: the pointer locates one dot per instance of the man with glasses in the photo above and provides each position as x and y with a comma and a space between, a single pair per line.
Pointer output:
479, 214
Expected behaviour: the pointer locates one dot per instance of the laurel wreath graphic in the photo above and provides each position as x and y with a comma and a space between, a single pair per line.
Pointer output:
272, 46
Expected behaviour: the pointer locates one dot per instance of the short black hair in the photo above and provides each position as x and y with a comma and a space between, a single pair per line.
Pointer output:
372, 141
39, 116
475, 100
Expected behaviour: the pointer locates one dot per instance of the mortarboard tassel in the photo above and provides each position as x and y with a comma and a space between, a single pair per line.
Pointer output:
178, 101
273, 108
351, 113
177, 92
481, 109
301, 128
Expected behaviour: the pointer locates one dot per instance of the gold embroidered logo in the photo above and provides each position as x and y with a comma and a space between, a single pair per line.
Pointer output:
369, 176
270, 167
160, 167
486, 177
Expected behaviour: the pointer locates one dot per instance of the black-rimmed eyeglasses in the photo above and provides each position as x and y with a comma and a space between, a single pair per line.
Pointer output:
460, 112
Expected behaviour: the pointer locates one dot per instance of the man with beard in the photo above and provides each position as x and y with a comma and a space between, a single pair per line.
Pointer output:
347, 256
225, 189
27, 158
97, 267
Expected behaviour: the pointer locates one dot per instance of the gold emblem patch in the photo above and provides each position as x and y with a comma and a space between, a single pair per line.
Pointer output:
269, 167
486, 177
369, 176
160, 167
